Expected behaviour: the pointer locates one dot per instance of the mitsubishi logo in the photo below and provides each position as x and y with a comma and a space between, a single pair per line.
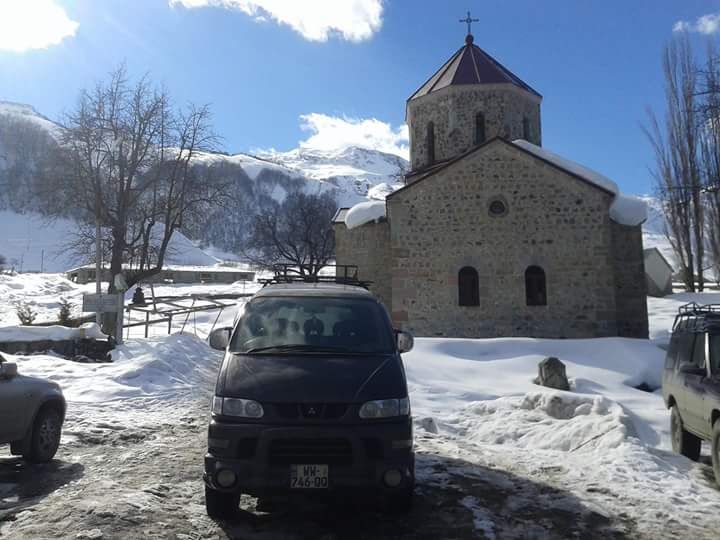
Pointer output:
312, 410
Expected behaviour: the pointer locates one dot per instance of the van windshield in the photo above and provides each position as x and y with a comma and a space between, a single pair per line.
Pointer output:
301, 325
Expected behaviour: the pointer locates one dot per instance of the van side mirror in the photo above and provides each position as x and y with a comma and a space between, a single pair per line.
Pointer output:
692, 369
220, 338
8, 370
405, 341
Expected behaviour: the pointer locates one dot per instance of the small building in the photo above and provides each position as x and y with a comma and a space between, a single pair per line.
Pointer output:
170, 274
658, 273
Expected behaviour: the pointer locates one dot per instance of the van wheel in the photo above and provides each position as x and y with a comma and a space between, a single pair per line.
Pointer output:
683, 442
400, 503
716, 451
220, 505
45, 436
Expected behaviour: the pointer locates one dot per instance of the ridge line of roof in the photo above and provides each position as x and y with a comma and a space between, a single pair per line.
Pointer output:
510, 144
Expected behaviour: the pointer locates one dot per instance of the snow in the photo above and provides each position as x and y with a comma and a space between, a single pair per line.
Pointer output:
628, 210
31, 242
50, 333
625, 209
365, 212
474, 401
28, 113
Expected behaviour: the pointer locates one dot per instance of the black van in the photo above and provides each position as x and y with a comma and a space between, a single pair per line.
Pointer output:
311, 398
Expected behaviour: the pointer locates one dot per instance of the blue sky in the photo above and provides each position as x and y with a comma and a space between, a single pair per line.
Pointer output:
328, 72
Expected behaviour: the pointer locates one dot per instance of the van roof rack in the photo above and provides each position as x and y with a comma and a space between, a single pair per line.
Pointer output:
694, 317
345, 274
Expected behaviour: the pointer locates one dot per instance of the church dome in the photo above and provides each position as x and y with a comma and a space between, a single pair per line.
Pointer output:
471, 65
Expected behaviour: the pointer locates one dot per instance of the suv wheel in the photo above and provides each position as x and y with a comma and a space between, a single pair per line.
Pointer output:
716, 451
45, 436
220, 505
683, 442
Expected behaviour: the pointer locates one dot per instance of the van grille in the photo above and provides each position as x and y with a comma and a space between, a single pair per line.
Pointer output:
310, 451
310, 411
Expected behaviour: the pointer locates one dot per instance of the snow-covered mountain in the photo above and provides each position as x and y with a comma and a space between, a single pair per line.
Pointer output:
260, 181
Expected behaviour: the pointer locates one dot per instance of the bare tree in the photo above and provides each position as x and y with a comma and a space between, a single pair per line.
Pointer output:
128, 164
710, 117
678, 172
3, 262
298, 232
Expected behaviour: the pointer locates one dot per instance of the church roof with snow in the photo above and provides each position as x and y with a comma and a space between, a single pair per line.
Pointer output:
471, 65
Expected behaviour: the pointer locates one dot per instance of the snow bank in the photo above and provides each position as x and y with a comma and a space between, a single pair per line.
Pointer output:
50, 333
446, 375
365, 212
159, 368
625, 210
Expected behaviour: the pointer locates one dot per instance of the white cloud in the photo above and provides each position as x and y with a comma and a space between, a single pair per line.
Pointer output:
707, 24
316, 20
33, 24
336, 133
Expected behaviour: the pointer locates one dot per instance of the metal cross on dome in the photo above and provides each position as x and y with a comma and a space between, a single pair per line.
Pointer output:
469, 20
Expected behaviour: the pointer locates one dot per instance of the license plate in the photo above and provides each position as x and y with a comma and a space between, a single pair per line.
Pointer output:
309, 476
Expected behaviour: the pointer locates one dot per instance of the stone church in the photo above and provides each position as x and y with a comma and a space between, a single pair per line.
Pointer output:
493, 235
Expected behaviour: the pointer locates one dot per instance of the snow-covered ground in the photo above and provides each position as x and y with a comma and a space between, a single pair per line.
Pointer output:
498, 456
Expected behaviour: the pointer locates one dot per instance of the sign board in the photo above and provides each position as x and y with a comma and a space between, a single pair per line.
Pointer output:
101, 303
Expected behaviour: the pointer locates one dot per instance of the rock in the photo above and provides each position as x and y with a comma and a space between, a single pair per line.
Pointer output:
551, 373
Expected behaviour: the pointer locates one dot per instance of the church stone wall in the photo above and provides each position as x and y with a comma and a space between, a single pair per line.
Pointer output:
453, 110
554, 220
630, 282
368, 247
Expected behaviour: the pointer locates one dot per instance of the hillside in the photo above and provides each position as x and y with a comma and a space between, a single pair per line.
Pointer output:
260, 181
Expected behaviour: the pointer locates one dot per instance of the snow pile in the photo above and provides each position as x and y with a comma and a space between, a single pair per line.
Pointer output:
625, 209
50, 333
365, 212
158, 368
381, 191
41, 292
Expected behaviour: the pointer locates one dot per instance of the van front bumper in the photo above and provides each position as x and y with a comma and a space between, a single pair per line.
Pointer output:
358, 456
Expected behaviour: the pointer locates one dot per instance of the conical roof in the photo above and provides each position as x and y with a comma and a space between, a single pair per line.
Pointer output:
471, 65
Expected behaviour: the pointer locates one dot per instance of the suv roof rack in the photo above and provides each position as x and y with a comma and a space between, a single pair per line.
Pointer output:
345, 274
693, 316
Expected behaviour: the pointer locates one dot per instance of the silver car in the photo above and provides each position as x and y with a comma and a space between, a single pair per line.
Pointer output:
32, 412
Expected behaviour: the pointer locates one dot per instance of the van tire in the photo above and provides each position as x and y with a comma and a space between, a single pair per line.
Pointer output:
221, 505
45, 438
715, 444
400, 503
683, 442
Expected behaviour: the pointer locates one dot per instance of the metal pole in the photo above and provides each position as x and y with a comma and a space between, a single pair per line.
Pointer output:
98, 255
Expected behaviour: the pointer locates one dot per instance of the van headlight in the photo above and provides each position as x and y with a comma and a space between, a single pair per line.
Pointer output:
243, 408
385, 408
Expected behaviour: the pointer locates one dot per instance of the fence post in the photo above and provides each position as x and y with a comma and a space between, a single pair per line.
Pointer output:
170, 324
147, 323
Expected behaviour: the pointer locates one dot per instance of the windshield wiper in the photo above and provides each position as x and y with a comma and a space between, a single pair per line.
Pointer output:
301, 348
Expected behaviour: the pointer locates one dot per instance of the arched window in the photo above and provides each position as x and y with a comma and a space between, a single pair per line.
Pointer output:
535, 286
526, 128
479, 128
430, 142
468, 287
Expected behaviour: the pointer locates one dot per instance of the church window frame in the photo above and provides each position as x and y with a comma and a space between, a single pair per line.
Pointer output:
430, 142
497, 207
480, 132
535, 286
468, 287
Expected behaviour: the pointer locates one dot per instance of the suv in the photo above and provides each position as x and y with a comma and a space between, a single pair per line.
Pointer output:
311, 398
31, 414
691, 381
